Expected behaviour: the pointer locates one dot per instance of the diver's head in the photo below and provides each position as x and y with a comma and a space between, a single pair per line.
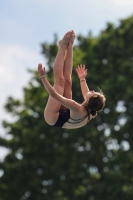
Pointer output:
95, 102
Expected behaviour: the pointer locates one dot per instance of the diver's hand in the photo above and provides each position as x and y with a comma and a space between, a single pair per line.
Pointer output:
81, 71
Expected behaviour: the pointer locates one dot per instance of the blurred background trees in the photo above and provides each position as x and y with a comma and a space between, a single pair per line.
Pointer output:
91, 163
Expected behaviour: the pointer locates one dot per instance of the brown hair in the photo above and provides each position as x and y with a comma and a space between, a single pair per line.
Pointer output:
96, 104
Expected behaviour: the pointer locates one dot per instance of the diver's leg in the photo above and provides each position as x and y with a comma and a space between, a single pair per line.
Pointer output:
52, 108
67, 71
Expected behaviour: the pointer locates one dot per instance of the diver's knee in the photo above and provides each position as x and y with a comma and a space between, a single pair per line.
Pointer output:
60, 81
68, 82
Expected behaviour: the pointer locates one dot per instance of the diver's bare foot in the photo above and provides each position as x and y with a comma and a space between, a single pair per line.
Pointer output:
65, 41
71, 41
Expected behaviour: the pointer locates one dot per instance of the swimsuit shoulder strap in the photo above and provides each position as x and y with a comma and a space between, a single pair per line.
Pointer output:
88, 112
81, 119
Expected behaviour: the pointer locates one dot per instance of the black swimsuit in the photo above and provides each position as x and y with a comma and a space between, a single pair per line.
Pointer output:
64, 116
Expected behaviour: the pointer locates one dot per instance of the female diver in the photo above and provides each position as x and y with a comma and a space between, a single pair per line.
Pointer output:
61, 110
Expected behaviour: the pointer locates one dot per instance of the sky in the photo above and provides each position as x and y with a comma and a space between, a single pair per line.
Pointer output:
25, 24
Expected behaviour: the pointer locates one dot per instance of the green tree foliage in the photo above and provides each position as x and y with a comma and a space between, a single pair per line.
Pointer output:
91, 163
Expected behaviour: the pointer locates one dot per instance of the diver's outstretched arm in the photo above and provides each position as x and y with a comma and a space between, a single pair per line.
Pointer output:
68, 103
82, 72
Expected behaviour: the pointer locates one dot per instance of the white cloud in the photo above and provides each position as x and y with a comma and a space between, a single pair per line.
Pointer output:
123, 2
14, 62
